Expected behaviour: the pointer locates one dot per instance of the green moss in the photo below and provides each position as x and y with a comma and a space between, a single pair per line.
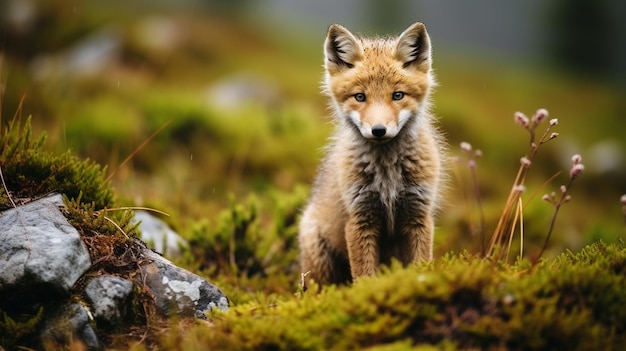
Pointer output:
573, 302
29, 171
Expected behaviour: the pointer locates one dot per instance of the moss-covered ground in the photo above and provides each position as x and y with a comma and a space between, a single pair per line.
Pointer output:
571, 302
143, 132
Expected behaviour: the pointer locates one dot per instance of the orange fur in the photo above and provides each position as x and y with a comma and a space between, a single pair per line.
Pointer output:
378, 187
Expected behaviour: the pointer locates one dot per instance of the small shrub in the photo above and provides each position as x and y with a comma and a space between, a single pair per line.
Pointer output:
252, 247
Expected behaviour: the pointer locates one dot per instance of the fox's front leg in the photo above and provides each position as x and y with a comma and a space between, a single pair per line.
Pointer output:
362, 243
417, 243
415, 219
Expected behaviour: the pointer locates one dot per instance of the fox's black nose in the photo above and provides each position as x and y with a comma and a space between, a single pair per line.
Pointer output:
379, 130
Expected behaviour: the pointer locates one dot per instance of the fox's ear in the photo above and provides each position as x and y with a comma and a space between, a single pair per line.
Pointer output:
341, 49
413, 48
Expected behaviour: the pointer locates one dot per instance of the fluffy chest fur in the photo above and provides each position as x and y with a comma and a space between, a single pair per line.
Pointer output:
380, 177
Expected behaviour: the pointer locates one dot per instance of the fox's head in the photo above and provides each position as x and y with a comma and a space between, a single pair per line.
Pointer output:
378, 84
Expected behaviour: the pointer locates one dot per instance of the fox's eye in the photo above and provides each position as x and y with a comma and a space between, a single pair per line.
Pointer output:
398, 95
360, 97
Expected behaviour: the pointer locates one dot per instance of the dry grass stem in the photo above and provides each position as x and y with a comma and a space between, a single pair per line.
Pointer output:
139, 148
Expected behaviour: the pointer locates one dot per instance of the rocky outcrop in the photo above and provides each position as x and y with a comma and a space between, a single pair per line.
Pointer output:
42, 265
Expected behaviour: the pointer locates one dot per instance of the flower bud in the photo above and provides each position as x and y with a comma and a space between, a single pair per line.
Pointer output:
521, 119
466, 147
576, 159
540, 115
554, 122
563, 189
576, 170
525, 162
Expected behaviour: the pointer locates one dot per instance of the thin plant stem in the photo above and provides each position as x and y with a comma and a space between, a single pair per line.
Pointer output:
125, 208
117, 226
557, 207
516, 218
521, 229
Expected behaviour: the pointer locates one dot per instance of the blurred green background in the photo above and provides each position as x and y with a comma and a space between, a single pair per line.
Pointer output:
232, 88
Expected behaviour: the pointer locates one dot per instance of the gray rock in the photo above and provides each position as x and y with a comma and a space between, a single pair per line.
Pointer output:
159, 236
178, 291
39, 251
68, 325
109, 296
94, 54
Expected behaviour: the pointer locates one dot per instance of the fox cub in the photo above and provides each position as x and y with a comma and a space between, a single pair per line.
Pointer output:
378, 186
